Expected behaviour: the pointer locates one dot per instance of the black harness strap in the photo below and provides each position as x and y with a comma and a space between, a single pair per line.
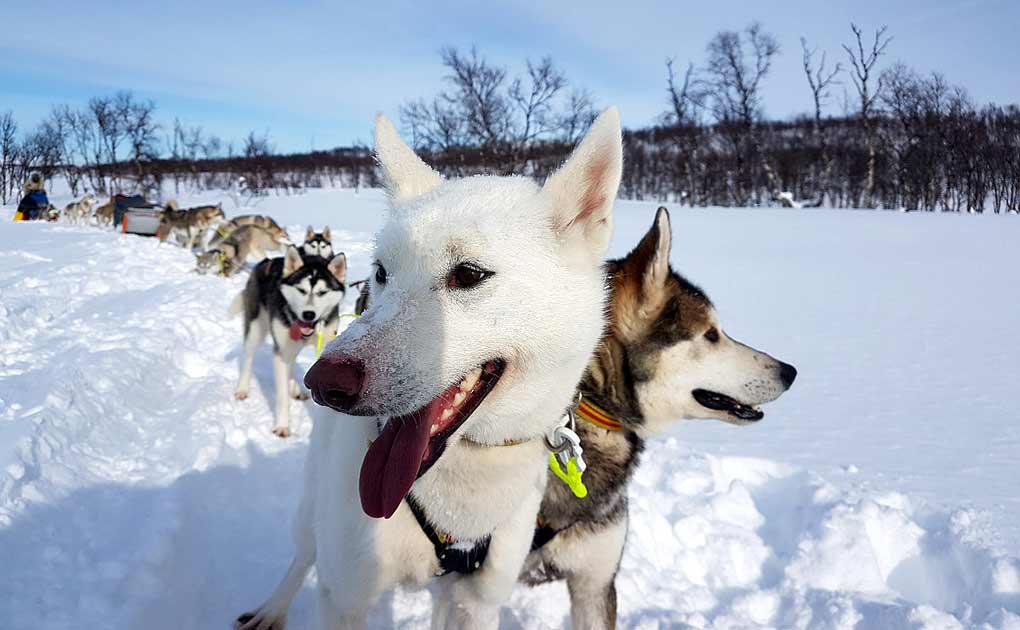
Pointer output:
543, 534
453, 557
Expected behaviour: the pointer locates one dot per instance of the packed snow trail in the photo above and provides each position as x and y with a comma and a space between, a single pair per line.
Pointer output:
135, 492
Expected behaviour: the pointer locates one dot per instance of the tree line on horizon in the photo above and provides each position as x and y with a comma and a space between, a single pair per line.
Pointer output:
900, 139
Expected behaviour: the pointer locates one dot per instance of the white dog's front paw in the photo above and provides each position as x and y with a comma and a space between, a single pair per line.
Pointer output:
281, 432
259, 620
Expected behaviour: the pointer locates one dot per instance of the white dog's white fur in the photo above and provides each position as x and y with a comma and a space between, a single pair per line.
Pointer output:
542, 312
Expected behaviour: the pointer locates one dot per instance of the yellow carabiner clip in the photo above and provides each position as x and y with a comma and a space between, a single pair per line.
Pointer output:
572, 477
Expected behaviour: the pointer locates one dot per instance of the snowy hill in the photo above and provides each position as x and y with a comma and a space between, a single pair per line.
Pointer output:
880, 492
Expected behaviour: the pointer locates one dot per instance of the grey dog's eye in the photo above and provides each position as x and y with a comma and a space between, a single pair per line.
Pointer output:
712, 335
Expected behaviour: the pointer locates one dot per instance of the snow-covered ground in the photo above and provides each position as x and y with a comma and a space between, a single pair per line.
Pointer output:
880, 492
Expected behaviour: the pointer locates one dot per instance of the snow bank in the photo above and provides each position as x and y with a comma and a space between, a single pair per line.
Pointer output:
878, 493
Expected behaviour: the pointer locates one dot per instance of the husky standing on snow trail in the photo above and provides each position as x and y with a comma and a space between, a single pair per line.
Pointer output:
80, 211
318, 243
258, 220
231, 253
664, 357
289, 299
188, 225
463, 363
104, 213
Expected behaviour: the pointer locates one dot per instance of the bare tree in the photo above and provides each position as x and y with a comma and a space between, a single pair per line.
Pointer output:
819, 80
869, 89
735, 74
686, 100
8, 152
504, 120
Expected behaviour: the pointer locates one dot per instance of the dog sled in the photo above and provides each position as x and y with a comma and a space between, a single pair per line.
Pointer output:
135, 215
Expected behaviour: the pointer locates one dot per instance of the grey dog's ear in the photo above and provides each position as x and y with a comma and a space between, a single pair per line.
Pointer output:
649, 260
326, 234
309, 233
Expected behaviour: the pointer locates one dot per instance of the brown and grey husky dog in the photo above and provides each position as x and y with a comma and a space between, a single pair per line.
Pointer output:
188, 225
80, 211
230, 254
258, 220
664, 357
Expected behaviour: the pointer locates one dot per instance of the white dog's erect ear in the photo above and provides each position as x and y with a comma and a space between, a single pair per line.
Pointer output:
326, 234
583, 190
407, 176
338, 266
292, 261
309, 233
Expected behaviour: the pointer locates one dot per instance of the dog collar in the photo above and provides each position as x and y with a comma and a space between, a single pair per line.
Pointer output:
597, 416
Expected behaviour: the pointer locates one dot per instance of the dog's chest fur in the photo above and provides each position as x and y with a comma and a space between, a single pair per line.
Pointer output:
472, 488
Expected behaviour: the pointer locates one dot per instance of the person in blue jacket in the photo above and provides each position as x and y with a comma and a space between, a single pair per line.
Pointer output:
34, 205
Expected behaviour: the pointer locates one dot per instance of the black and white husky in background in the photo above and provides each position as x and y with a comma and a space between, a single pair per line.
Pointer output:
664, 357
290, 299
318, 243
443, 391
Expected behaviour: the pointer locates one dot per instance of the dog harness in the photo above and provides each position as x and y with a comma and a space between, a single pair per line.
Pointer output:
454, 556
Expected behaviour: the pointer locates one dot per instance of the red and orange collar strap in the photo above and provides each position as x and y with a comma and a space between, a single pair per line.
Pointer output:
597, 416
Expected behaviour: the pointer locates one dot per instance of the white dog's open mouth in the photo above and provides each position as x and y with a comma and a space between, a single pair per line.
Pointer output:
410, 444
721, 402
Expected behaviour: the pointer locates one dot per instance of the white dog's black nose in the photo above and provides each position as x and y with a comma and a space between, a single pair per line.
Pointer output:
787, 374
308, 316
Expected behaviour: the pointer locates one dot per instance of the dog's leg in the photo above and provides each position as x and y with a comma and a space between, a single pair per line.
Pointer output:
590, 562
273, 614
474, 601
296, 391
253, 338
592, 604
331, 618
283, 372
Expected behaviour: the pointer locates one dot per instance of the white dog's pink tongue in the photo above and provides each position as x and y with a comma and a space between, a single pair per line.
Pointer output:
391, 464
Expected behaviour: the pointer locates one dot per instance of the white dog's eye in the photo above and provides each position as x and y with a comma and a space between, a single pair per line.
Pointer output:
302, 291
712, 335
466, 276
321, 293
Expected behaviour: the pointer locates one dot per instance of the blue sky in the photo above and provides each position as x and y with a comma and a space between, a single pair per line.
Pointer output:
315, 73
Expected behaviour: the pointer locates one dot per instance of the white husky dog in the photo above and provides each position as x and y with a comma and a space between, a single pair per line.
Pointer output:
488, 300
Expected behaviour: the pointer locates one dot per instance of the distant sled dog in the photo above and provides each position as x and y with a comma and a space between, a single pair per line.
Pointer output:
80, 212
318, 243
289, 299
664, 357
230, 254
258, 220
463, 363
188, 225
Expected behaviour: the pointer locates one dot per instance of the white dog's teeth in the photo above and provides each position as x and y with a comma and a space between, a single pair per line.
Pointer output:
435, 429
470, 380
446, 414
459, 398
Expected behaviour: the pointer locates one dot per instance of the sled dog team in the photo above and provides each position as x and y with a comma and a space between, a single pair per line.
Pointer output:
491, 331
